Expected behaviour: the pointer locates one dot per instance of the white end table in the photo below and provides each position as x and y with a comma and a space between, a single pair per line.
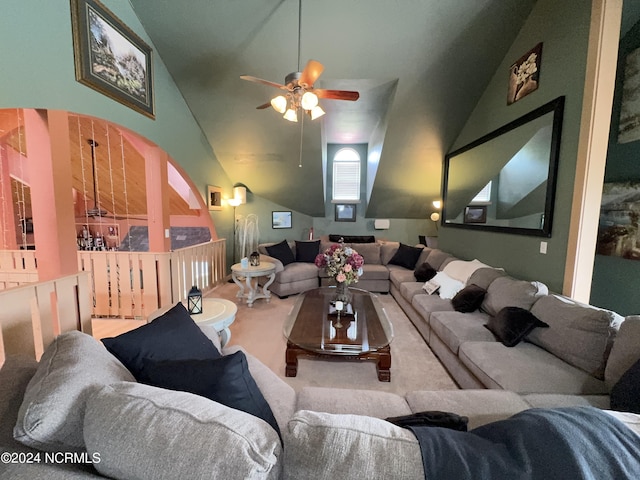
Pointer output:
219, 314
251, 274
216, 312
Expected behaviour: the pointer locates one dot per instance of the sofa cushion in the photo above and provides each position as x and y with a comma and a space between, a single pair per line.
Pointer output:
437, 257
281, 251
484, 276
225, 380
299, 271
525, 368
461, 270
509, 292
447, 287
480, 406
408, 290
426, 304
454, 328
369, 251
512, 324
52, 411
424, 272
326, 446
147, 432
374, 272
399, 275
559, 400
372, 403
307, 251
625, 395
624, 352
172, 336
468, 299
580, 335
406, 256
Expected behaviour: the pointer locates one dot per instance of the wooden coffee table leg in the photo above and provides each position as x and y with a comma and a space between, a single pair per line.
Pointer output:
383, 365
291, 359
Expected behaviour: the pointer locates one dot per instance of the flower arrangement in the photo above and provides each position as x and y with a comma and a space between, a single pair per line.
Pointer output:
342, 263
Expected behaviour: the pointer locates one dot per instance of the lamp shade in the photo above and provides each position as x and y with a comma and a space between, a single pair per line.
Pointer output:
291, 115
194, 301
240, 195
309, 100
316, 112
279, 104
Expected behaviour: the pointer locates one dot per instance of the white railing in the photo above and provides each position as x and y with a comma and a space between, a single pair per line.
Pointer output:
134, 284
131, 284
32, 315
17, 267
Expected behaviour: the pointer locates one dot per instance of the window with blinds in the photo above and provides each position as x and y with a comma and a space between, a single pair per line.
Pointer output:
483, 196
346, 175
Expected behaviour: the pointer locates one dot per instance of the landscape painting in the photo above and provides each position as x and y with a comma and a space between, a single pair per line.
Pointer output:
618, 224
110, 58
629, 128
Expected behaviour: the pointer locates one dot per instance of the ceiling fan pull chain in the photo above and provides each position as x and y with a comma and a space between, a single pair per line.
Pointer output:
301, 137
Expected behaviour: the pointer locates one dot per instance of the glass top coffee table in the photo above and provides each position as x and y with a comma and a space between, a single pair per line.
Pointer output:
314, 329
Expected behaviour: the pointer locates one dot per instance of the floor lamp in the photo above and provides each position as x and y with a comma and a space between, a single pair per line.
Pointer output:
239, 197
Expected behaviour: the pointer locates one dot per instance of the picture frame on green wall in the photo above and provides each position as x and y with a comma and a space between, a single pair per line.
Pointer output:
524, 75
111, 58
345, 213
629, 126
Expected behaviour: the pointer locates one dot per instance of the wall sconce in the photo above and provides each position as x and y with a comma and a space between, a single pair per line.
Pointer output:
435, 216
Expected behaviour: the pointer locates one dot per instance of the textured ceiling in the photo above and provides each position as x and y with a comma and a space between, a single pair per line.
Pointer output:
420, 67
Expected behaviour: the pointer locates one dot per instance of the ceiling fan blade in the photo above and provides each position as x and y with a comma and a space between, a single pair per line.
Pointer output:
312, 70
263, 106
337, 94
249, 78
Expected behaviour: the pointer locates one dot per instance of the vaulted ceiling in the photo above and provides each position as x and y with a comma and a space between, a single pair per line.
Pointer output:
420, 67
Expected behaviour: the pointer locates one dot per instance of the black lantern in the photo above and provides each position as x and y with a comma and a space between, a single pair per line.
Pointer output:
194, 301
254, 258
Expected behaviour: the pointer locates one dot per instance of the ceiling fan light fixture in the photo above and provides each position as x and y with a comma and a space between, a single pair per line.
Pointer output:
291, 115
309, 100
279, 104
317, 112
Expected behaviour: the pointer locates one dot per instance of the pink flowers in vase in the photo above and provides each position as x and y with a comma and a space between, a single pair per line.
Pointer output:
342, 263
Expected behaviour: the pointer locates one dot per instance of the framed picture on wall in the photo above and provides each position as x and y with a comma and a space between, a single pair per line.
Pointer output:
110, 58
475, 214
524, 75
280, 219
214, 197
345, 213
629, 126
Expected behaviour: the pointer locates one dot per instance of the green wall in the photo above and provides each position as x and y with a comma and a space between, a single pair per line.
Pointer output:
563, 28
616, 280
38, 72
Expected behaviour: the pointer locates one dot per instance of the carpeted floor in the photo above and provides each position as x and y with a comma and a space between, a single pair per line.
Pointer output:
413, 364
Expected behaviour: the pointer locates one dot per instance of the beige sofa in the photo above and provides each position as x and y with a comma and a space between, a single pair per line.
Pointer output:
132, 430
577, 359
298, 276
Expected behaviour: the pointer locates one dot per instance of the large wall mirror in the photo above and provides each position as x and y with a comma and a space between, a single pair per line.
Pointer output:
506, 180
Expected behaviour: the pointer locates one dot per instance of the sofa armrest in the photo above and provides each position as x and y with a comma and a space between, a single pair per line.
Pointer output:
275, 261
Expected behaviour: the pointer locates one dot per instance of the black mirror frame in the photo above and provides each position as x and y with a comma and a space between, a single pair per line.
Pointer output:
556, 106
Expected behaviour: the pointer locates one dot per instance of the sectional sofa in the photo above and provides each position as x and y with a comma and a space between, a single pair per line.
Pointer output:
80, 414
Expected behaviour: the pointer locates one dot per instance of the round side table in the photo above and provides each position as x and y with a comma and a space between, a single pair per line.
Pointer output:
251, 274
219, 314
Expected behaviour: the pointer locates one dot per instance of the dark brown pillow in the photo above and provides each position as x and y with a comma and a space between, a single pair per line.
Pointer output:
424, 272
468, 299
512, 324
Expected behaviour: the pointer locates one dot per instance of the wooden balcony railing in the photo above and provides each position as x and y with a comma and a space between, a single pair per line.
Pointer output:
33, 315
132, 284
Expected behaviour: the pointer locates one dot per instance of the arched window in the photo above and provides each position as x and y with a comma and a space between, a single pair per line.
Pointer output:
346, 175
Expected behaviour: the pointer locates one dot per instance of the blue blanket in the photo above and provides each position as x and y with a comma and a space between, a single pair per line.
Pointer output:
545, 444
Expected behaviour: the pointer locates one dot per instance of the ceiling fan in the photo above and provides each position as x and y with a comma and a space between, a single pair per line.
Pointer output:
298, 86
